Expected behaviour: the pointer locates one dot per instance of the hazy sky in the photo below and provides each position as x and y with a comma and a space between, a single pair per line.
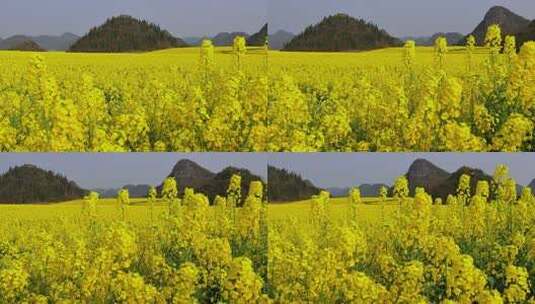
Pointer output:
113, 170
208, 17
350, 169
181, 17
398, 17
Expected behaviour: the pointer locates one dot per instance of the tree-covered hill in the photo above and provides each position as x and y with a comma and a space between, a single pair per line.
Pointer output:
189, 174
341, 32
126, 34
30, 184
285, 186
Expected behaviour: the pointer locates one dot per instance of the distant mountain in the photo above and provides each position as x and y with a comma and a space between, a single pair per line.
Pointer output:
30, 184
279, 39
137, 190
126, 34
134, 191
194, 40
47, 42
509, 22
13, 41
371, 190
106, 192
221, 39
337, 191
27, 46
56, 43
189, 174
285, 186
6, 44
259, 38
452, 37
420, 40
366, 190
227, 39
341, 32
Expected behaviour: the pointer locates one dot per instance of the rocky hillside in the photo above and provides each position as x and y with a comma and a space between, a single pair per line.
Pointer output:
510, 23
440, 183
47, 42
259, 38
341, 33
285, 186
227, 39
30, 184
189, 174
527, 34
423, 173
134, 191
126, 34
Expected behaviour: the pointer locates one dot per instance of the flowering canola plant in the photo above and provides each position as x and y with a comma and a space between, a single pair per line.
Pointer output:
476, 247
171, 100
244, 98
405, 99
100, 251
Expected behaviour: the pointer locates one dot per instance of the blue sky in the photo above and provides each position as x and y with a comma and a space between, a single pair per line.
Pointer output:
109, 170
113, 170
180, 17
350, 169
398, 17
208, 17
